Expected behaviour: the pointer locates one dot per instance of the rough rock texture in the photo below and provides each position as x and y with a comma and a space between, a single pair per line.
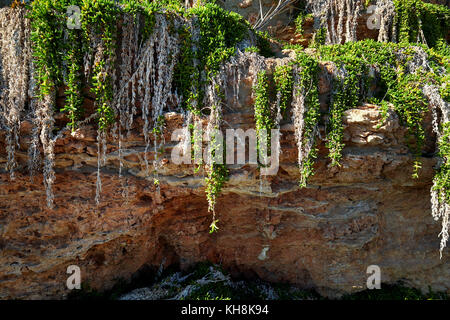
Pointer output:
368, 211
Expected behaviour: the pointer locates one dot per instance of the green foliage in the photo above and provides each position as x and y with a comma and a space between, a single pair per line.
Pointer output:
263, 113
73, 59
346, 96
186, 75
263, 42
99, 21
147, 9
47, 21
399, 88
58, 51
309, 69
408, 19
440, 61
101, 87
159, 126
283, 83
217, 175
220, 32
208, 296
299, 21
442, 177
215, 180
416, 15
319, 38
367, 3
252, 49
99, 17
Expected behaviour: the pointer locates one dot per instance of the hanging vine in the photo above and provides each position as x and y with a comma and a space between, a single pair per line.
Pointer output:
306, 113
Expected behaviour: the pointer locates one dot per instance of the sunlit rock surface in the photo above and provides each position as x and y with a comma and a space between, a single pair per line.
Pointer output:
368, 211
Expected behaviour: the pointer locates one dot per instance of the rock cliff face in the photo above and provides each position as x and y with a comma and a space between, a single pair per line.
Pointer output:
367, 212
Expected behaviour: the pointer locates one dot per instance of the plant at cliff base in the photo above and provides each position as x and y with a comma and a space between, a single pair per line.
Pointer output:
305, 112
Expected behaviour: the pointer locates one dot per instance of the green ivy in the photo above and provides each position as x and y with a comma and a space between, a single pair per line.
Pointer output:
300, 20
220, 32
57, 52
47, 37
263, 43
284, 85
416, 15
263, 113
442, 177
187, 77
309, 70
319, 38
346, 94
99, 18
262, 109
401, 89
74, 82
217, 175
252, 49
